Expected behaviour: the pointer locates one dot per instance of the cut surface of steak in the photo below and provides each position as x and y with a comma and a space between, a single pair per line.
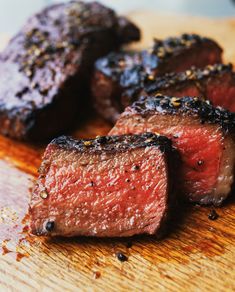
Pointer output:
108, 186
118, 72
45, 69
203, 134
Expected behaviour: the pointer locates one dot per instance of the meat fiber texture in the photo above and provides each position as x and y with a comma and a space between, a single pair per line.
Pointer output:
45, 69
107, 187
203, 135
119, 72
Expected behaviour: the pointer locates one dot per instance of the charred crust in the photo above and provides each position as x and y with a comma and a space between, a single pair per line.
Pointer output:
54, 49
193, 106
115, 64
40, 45
193, 74
114, 143
171, 46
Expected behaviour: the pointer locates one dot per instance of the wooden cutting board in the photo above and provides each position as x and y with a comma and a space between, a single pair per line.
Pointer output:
197, 255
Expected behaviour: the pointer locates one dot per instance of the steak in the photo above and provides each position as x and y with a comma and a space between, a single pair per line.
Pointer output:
118, 72
108, 186
214, 82
203, 135
45, 70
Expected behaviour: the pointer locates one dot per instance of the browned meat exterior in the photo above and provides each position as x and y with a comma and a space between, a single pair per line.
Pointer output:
45, 69
119, 72
214, 82
108, 186
203, 134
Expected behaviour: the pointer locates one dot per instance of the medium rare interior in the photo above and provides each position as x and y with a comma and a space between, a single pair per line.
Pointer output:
112, 194
207, 167
222, 92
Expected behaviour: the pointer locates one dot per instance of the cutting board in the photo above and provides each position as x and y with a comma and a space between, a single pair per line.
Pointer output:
197, 254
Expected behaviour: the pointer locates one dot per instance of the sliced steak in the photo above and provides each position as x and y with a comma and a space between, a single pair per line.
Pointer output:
45, 69
109, 186
214, 82
203, 134
118, 72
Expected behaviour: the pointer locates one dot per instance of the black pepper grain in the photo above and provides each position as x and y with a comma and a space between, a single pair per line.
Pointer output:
200, 162
50, 226
213, 215
121, 257
136, 167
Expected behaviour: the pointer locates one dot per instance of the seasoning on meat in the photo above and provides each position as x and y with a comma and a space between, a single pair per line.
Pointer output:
111, 188
45, 69
119, 77
203, 134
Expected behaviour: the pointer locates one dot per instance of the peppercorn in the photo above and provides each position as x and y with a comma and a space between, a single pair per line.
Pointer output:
136, 167
213, 215
121, 257
50, 225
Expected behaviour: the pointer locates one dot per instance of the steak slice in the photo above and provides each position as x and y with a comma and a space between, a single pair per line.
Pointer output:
118, 72
45, 70
109, 186
203, 134
214, 82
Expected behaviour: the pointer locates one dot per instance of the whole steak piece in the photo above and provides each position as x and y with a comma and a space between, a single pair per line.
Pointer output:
203, 134
118, 72
108, 186
213, 82
45, 70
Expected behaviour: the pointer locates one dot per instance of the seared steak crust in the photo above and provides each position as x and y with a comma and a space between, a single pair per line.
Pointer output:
191, 75
189, 106
108, 186
45, 69
117, 73
192, 80
113, 143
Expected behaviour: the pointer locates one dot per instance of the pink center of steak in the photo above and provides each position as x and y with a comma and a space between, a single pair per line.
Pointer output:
222, 93
201, 155
117, 194
200, 148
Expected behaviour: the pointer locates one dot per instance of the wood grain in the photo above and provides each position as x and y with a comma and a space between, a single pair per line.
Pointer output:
197, 255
